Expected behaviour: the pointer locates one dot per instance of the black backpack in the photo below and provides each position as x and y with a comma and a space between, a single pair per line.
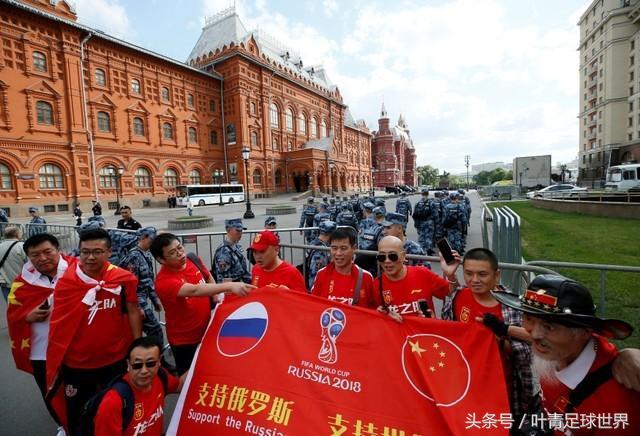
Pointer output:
451, 217
422, 211
90, 408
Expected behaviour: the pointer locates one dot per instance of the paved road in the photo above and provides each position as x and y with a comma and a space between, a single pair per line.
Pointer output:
22, 411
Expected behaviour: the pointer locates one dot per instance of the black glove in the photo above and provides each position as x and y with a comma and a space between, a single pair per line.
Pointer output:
498, 327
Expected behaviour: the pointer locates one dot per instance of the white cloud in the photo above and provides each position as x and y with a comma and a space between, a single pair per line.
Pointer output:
329, 7
106, 15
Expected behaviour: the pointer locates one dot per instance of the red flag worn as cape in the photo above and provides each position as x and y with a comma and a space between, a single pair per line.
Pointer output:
65, 319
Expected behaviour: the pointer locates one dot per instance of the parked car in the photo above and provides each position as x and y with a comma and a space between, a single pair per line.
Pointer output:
557, 191
392, 190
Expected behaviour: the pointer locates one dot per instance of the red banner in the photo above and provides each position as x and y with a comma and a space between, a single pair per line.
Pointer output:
286, 363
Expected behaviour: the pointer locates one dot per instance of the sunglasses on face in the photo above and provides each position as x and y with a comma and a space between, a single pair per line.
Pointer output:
393, 257
149, 364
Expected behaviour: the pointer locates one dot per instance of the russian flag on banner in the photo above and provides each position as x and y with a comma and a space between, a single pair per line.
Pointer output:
243, 330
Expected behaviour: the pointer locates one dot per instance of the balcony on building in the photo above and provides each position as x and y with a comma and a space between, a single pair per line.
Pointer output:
592, 134
592, 69
592, 123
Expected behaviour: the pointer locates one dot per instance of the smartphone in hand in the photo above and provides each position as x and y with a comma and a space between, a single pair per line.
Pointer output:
45, 305
424, 308
446, 251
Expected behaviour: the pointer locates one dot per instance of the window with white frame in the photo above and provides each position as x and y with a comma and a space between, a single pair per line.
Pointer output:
50, 176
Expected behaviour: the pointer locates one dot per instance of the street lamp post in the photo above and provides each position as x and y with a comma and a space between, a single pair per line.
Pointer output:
219, 174
118, 174
245, 155
467, 158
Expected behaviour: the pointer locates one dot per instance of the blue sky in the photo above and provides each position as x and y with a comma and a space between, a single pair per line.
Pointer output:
492, 79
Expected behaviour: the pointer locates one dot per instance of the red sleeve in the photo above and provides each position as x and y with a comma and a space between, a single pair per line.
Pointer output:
376, 298
131, 292
296, 281
172, 383
369, 292
438, 286
318, 284
168, 286
108, 419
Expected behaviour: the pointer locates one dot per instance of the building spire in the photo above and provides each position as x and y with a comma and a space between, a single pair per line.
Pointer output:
383, 111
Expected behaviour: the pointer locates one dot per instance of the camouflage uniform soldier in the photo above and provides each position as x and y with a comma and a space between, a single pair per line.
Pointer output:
403, 206
395, 224
467, 202
306, 219
367, 219
455, 221
423, 221
332, 209
369, 241
347, 218
140, 262
438, 218
322, 215
37, 223
318, 259
356, 206
229, 263
379, 202
121, 243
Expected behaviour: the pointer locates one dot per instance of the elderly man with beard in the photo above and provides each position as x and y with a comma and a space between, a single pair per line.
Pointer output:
573, 356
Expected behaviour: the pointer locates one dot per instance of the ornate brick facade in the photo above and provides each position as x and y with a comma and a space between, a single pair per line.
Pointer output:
393, 154
65, 86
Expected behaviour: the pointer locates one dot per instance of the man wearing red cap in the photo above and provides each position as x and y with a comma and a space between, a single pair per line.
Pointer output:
269, 269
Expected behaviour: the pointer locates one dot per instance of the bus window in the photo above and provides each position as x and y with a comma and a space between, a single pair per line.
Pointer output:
615, 175
628, 175
181, 191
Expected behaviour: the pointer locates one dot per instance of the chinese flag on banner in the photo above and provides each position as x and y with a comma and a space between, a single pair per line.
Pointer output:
287, 363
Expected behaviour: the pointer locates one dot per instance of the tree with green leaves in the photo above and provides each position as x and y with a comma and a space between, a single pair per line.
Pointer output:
428, 175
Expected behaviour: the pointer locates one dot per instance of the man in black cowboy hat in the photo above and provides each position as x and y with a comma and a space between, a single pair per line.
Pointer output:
572, 357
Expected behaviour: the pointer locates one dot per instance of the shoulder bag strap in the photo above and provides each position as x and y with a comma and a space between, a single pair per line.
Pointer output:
588, 386
356, 290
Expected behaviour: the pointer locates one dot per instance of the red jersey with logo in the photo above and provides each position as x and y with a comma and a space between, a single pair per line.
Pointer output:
148, 410
187, 317
285, 274
335, 286
420, 283
466, 308
103, 334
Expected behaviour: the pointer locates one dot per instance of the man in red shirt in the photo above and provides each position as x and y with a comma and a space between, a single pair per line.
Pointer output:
573, 358
94, 318
400, 288
342, 280
269, 269
148, 391
185, 289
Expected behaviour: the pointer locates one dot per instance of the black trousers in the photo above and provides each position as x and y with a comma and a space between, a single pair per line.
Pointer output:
183, 355
81, 384
40, 375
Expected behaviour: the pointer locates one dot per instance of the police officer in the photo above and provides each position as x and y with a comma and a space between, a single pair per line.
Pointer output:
318, 259
347, 218
455, 221
121, 243
345, 202
356, 206
77, 214
332, 209
379, 202
306, 219
140, 262
322, 215
395, 224
229, 264
96, 208
37, 223
403, 206
367, 216
438, 218
423, 219
467, 203
270, 223
369, 241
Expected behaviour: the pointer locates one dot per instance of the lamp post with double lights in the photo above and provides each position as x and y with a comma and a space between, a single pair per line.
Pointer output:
245, 155
467, 159
118, 175
219, 174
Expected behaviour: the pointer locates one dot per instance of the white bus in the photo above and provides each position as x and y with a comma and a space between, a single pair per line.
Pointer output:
209, 194
621, 178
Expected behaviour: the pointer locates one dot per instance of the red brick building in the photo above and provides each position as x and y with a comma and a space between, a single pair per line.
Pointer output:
78, 107
393, 154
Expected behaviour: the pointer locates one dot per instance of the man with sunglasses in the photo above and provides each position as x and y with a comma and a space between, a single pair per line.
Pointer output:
146, 384
400, 289
185, 288
395, 224
341, 280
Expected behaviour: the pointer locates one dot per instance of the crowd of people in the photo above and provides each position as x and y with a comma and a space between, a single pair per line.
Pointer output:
83, 316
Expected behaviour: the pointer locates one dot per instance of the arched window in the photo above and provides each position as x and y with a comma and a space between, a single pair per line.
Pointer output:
170, 177
165, 93
135, 86
302, 124
275, 115
101, 79
5, 177
213, 137
288, 116
167, 131
44, 113
138, 126
39, 61
107, 177
252, 108
142, 178
257, 177
314, 127
104, 122
255, 142
194, 177
190, 100
193, 135
51, 177
323, 129
278, 177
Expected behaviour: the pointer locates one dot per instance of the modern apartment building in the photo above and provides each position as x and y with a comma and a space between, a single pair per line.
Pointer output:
609, 111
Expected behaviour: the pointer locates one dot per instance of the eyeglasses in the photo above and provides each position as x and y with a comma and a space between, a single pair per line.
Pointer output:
393, 257
94, 253
148, 364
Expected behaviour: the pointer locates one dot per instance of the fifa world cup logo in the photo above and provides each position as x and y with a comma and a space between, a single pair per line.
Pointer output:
332, 322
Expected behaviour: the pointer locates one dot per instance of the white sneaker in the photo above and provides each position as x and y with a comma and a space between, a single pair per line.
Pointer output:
60, 431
